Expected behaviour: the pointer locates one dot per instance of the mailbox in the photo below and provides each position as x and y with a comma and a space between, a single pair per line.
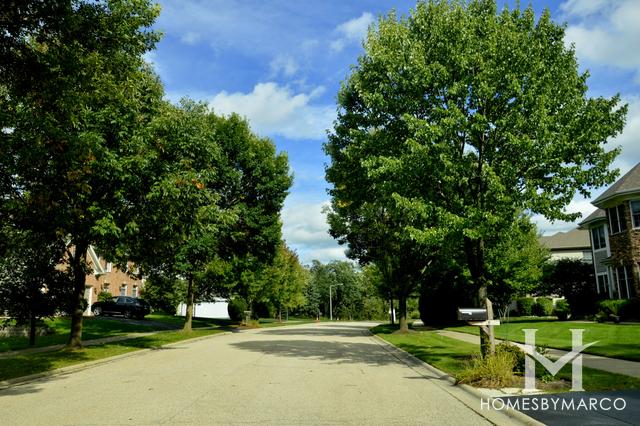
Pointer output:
472, 314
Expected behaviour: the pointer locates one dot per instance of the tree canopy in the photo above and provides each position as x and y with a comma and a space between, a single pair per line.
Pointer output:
456, 121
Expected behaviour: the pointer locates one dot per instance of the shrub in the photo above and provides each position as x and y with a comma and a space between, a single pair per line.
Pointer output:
562, 309
543, 307
236, 308
104, 296
601, 317
611, 306
494, 371
525, 304
630, 310
516, 352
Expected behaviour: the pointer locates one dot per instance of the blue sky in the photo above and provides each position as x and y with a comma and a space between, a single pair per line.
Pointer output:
279, 63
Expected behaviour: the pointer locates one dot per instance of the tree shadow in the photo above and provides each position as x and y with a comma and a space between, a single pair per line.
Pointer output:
329, 352
334, 330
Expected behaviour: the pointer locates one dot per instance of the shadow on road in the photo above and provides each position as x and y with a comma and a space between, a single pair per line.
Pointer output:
331, 352
334, 330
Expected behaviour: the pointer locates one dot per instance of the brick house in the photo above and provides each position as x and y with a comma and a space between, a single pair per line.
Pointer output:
614, 230
106, 277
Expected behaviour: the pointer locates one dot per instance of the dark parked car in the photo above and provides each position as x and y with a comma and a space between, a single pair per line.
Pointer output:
130, 307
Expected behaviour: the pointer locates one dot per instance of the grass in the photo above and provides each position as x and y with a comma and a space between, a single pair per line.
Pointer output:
26, 364
23, 365
449, 355
100, 327
93, 328
452, 356
614, 340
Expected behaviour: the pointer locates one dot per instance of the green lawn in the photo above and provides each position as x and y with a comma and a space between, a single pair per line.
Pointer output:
442, 352
614, 340
93, 328
451, 355
100, 327
23, 365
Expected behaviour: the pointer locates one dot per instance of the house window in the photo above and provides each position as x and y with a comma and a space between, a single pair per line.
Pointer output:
602, 284
635, 213
617, 222
624, 280
597, 235
105, 288
123, 290
134, 291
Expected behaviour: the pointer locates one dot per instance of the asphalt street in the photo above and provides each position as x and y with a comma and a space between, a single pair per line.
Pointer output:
312, 374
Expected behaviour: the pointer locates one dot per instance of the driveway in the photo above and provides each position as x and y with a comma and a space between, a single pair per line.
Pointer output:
310, 374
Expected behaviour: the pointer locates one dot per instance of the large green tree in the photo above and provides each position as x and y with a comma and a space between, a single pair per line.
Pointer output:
465, 117
208, 198
75, 93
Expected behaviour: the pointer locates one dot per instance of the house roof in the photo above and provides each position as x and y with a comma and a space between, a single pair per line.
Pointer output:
574, 239
597, 215
627, 184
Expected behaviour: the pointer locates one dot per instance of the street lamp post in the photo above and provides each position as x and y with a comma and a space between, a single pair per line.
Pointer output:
330, 302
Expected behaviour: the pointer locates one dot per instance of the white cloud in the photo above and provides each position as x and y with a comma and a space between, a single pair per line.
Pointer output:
191, 38
304, 227
605, 33
583, 8
628, 139
352, 31
283, 64
274, 110
578, 205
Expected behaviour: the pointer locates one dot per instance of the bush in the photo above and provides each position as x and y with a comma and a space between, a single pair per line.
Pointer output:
611, 306
525, 305
543, 307
104, 296
601, 317
516, 352
494, 371
630, 310
236, 308
562, 309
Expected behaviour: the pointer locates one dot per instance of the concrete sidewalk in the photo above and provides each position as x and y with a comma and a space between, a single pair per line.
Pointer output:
611, 365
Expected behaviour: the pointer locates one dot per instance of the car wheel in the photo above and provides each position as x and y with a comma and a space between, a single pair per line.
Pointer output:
128, 314
97, 311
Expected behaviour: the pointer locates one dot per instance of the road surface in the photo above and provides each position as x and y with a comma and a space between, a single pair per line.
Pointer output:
311, 374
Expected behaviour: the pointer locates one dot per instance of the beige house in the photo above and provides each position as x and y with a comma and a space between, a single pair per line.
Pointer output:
572, 244
614, 230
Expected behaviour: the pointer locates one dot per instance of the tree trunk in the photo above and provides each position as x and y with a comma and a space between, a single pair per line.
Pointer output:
279, 313
188, 318
393, 321
78, 262
475, 259
32, 329
402, 307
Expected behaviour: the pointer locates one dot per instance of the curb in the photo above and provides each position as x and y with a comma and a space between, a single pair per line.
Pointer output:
412, 361
5, 384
